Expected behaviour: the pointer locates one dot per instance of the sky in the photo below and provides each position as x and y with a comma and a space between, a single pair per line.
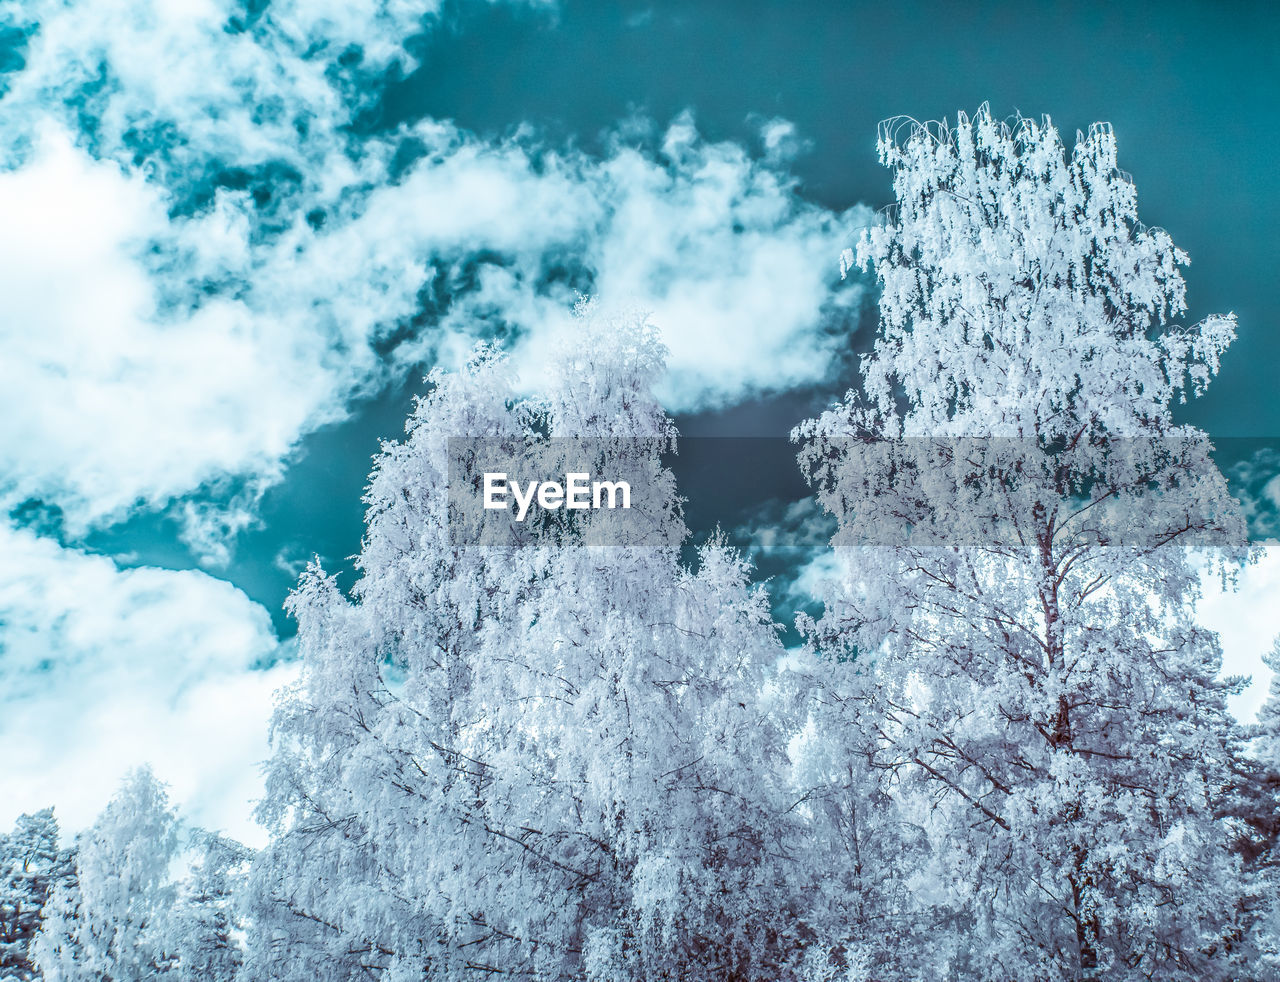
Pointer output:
237, 235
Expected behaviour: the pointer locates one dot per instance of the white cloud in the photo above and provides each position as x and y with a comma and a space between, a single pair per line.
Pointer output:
180, 84
104, 669
160, 335
1256, 481
209, 529
737, 270
739, 273
817, 577
108, 398
1247, 619
149, 355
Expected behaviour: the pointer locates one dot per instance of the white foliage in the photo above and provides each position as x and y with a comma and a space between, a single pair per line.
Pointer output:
31, 864
109, 922
550, 760
1026, 676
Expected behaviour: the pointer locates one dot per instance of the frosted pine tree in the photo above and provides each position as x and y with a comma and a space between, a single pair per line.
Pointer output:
31, 864
1015, 503
206, 928
111, 922
1256, 812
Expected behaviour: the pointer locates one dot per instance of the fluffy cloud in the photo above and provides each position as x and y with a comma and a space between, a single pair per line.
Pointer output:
1256, 483
1247, 621
111, 399
735, 267
202, 264
180, 87
105, 668
130, 379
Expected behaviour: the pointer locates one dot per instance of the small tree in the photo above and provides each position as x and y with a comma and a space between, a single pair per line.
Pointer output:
1016, 502
1255, 810
206, 929
110, 923
31, 864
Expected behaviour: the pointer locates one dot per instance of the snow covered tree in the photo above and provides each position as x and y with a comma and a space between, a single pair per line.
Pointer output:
871, 911
109, 923
664, 743
31, 864
1266, 743
547, 758
1016, 505
206, 928
1255, 812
